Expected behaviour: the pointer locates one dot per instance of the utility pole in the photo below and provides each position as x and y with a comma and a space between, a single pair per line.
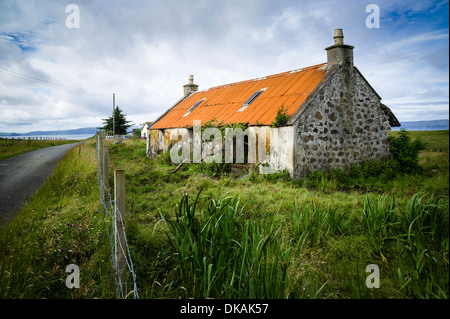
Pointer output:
114, 109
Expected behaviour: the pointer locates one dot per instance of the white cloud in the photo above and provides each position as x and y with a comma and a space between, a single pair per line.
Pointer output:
143, 51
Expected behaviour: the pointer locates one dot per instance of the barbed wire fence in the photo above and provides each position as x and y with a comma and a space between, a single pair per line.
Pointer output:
114, 215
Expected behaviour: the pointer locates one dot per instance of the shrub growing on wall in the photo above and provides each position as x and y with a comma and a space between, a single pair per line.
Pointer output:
282, 117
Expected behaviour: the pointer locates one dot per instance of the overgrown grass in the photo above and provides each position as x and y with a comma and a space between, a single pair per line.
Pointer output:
423, 270
222, 254
325, 227
200, 234
59, 226
13, 147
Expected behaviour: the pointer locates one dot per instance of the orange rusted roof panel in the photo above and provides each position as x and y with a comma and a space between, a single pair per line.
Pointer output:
222, 103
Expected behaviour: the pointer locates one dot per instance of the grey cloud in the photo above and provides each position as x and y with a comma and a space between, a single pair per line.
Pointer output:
439, 59
144, 50
7, 124
434, 93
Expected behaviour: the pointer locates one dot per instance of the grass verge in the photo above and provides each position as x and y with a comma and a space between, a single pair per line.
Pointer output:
59, 226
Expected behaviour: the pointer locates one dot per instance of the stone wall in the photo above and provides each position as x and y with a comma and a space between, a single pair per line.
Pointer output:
279, 147
343, 125
274, 146
160, 141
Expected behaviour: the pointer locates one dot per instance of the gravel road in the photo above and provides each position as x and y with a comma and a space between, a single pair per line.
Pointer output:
22, 175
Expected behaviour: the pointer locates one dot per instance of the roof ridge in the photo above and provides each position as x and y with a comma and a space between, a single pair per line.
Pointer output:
265, 77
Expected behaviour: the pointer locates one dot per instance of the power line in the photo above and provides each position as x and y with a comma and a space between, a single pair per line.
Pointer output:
47, 83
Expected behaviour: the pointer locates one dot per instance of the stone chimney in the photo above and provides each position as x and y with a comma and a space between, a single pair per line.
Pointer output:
339, 53
190, 87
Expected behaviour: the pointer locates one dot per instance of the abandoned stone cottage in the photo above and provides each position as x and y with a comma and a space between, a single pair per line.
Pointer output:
336, 118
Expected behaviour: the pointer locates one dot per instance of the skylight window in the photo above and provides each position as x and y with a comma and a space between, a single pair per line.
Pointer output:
251, 99
193, 107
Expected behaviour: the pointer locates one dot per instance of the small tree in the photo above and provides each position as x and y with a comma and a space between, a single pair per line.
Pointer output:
120, 123
136, 132
405, 151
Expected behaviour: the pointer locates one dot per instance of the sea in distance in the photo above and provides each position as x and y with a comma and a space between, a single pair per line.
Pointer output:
75, 137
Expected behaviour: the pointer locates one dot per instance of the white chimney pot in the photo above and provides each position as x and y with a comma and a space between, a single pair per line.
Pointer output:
338, 36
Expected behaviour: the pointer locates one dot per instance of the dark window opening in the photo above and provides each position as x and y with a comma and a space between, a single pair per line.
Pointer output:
193, 107
251, 99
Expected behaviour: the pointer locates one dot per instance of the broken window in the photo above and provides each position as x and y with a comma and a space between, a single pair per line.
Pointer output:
251, 99
193, 107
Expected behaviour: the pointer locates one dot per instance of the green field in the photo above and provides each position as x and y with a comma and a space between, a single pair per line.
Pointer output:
12, 147
435, 140
250, 236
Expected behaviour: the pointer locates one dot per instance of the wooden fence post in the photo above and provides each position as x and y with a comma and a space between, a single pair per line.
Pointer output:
119, 196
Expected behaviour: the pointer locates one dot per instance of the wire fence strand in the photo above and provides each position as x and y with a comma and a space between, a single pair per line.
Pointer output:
115, 228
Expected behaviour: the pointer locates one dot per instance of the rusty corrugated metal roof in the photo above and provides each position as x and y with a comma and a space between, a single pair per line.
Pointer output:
222, 103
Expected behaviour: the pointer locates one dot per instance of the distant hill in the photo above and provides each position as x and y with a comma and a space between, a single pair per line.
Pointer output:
410, 126
423, 125
86, 130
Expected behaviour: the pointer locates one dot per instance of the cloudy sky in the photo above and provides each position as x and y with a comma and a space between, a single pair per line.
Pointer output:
56, 77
